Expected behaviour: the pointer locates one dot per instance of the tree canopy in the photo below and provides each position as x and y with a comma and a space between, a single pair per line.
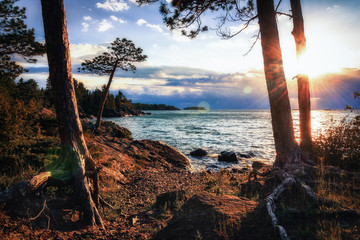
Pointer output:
122, 53
187, 15
15, 39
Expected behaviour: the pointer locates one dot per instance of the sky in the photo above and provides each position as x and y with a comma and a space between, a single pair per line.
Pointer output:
209, 70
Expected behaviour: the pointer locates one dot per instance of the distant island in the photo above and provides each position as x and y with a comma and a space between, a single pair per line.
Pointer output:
194, 108
144, 106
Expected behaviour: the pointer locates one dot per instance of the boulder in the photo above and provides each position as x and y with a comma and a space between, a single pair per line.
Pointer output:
200, 152
109, 128
156, 154
242, 155
210, 216
227, 157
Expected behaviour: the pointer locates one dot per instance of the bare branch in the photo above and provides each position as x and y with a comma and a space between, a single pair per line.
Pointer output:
252, 46
285, 14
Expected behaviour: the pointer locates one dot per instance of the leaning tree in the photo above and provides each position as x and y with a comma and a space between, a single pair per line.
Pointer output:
75, 160
122, 54
72, 164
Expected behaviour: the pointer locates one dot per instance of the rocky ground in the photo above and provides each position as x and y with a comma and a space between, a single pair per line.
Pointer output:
148, 192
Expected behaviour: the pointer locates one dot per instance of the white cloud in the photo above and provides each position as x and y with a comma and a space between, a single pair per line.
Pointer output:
141, 22
113, 5
87, 18
104, 25
80, 52
85, 27
116, 19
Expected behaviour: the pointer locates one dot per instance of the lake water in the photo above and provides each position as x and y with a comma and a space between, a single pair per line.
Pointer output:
241, 131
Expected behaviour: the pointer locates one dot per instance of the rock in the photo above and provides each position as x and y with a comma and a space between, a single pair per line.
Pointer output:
227, 157
157, 153
242, 155
171, 200
110, 128
257, 165
203, 213
200, 152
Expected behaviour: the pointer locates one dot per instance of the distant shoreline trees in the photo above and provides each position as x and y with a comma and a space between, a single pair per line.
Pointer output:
145, 106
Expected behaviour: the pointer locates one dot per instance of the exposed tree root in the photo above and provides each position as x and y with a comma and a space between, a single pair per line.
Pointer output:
287, 181
105, 203
271, 208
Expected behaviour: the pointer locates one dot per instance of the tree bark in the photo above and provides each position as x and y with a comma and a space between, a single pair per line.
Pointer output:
288, 155
106, 93
302, 78
70, 128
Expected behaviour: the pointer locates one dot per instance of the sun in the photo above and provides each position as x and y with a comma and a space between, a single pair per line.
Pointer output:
313, 64
324, 54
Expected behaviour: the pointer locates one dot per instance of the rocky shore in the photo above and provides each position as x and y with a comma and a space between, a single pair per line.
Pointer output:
149, 192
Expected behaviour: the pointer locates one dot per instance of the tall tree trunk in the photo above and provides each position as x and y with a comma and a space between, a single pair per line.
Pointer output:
70, 128
302, 78
287, 151
106, 93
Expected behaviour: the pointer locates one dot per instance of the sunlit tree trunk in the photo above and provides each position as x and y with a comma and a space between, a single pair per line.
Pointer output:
106, 93
302, 78
287, 150
61, 80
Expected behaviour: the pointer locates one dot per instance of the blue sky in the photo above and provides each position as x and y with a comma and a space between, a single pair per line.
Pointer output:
185, 72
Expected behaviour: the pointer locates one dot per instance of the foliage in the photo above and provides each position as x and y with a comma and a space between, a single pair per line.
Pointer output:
88, 101
23, 145
122, 53
356, 95
187, 14
15, 38
339, 145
